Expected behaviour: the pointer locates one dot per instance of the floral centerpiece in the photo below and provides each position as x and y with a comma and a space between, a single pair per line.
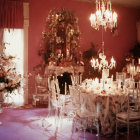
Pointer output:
60, 39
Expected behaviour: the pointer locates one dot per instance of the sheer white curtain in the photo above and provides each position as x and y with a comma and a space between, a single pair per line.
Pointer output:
14, 40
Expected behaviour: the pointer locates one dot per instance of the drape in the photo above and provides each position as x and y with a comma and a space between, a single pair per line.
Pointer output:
1, 40
11, 14
1, 36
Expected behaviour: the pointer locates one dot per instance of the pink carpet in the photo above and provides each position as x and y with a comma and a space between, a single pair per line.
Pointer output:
33, 124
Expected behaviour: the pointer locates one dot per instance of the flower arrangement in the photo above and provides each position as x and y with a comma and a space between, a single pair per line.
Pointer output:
60, 38
9, 78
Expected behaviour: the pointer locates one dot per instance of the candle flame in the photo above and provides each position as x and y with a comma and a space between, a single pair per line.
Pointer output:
95, 63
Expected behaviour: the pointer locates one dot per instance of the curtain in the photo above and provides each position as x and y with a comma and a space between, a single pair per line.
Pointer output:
11, 14
1, 40
1, 36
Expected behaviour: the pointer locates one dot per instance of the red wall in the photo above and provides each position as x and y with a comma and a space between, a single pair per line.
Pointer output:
116, 46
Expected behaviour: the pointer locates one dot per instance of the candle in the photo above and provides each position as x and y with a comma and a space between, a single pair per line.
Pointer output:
57, 87
76, 79
138, 60
96, 81
49, 87
80, 78
98, 107
72, 80
65, 88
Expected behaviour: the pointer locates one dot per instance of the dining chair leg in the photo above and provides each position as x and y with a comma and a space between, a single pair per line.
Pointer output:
128, 131
138, 125
98, 129
116, 130
73, 128
78, 133
84, 134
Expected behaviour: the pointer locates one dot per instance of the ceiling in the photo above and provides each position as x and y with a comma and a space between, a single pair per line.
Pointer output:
127, 3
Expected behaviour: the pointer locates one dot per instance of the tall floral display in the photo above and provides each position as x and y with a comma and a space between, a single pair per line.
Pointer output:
60, 38
9, 78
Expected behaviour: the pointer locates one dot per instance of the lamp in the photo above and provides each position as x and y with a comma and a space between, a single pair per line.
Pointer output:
103, 16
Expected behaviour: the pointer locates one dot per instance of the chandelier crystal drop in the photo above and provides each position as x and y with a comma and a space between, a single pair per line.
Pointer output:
104, 16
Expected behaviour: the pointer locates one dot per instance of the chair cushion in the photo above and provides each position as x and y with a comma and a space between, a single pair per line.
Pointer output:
87, 114
132, 115
41, 89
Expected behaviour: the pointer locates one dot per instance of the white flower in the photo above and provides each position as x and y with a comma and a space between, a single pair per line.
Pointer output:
2, 86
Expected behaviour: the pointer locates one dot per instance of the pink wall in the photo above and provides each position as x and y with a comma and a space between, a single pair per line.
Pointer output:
116, 46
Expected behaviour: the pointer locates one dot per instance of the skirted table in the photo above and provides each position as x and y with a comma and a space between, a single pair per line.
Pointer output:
109, 105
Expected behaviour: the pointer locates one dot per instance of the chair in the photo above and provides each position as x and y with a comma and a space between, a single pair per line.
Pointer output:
120, 76
86, 117
74, 102
54, 94
41, 95
56, 101
134, 93
130, 117
75, 97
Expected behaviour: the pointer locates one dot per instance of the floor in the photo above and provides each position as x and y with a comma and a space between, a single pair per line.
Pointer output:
33, 124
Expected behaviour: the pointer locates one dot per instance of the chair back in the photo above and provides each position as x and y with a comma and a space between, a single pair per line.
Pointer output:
40, 84
120, 76
54, 89
75, 96
134, 95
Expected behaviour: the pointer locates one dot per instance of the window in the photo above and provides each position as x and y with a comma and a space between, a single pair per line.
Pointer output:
14, 40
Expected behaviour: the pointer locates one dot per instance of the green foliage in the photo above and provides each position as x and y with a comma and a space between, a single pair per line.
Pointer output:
62, 30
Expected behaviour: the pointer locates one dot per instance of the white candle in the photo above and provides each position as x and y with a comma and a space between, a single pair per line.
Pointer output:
76, 79
72, 80
80, 78
57, 87
96, 81
49, 87
98, 107
65, 88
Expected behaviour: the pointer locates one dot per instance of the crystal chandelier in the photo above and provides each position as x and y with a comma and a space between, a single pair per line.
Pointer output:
104, 16
103, 63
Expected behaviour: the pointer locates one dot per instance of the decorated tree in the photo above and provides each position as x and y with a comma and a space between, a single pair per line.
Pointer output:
60, 38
